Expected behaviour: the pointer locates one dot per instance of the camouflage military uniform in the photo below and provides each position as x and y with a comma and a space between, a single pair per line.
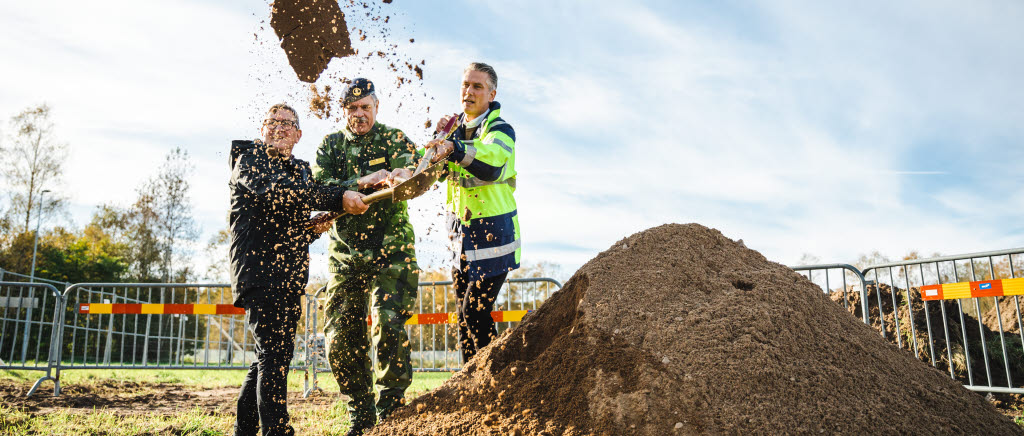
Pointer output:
372, 256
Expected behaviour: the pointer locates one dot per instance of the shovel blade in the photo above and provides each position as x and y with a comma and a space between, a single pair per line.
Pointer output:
418, 184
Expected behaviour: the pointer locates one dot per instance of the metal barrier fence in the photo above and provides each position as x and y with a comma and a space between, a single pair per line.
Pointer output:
135, 326
992, 343
433, 334
840, 274
27, 319
11, 276
194, 326
960, 313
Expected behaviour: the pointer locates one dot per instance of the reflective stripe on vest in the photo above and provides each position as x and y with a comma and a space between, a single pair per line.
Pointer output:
499, 142
493, 252
474, 182
470, 156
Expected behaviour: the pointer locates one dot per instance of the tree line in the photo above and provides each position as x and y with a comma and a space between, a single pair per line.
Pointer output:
149, 240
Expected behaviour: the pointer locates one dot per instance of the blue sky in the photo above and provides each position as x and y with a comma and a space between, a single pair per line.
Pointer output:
826, 128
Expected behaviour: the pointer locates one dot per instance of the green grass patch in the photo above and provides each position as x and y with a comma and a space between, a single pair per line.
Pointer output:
102, 422
316, 417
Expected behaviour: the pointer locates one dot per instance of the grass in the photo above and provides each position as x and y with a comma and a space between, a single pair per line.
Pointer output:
102, 422
321, 416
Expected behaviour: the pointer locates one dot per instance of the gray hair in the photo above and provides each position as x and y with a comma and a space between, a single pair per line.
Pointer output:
288, 108
487, 69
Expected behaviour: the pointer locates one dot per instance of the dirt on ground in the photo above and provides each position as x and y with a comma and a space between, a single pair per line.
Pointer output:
133, 398
680, 330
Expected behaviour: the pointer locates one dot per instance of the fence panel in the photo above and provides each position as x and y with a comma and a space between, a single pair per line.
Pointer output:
840, 282
157, 326
433, 333
27, 336
959, 313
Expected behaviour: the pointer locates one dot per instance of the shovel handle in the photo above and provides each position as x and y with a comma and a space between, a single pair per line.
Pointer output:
367, 200
445, 132
427, 156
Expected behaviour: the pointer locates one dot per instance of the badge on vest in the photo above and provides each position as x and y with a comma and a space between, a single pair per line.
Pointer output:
376, 161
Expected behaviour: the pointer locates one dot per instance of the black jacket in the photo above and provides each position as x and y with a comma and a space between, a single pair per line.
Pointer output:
271, 201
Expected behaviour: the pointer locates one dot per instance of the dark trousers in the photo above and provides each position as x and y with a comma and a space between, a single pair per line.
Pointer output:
475, 303
263, 403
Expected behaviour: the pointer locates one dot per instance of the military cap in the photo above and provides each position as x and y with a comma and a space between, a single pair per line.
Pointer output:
356, 90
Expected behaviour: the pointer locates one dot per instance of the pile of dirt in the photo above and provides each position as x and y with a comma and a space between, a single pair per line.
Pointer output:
1006, 315
680, 330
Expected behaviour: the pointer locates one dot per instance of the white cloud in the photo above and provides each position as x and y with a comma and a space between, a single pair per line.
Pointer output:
800, 128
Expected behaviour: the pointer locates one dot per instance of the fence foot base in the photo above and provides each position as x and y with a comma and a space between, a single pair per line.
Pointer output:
56, 386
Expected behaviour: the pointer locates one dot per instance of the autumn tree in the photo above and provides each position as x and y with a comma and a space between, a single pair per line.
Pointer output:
32, 161
157, 230
175, 228
134, 230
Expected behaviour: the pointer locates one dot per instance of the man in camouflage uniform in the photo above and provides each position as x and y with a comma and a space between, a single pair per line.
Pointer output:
372, 260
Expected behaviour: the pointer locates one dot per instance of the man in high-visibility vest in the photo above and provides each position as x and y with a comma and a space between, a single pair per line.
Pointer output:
481, 159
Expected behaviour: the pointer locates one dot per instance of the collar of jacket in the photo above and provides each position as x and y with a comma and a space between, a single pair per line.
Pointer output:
493, 110
350, 136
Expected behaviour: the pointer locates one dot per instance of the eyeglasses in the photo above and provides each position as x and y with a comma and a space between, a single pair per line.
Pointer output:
280, 123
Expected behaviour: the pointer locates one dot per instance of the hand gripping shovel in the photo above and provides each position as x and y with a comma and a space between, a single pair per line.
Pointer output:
418, 184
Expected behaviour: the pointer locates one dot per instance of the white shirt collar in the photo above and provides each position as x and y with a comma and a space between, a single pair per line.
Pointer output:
476, 121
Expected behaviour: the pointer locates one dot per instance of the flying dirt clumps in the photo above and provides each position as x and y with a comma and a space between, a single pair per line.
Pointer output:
312, 32
680, 330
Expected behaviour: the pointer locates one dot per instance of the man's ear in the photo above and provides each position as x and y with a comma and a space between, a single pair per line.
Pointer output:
494, 92
298, 136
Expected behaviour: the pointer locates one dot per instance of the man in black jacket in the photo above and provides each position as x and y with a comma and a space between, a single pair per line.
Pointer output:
272, 196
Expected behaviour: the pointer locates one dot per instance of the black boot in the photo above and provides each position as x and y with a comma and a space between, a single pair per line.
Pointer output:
362, 414
358, 428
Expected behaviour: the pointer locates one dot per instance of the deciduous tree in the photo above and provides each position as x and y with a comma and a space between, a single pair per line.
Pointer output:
32, 160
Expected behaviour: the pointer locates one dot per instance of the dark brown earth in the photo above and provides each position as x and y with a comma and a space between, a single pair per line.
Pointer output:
680, 330
133, 398
1008, 316
311, 32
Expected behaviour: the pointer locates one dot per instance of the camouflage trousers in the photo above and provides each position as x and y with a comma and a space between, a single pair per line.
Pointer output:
386, 291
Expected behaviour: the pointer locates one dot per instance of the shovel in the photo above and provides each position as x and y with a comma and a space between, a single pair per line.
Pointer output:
419, 183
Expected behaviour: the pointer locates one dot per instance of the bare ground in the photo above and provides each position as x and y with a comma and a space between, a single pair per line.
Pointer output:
133, 398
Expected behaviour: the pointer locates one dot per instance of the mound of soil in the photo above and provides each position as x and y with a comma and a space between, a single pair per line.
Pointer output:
312, 32
1006, 316
680, 330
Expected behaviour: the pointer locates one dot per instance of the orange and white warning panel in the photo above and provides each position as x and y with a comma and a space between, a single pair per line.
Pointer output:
228, 309
983, 288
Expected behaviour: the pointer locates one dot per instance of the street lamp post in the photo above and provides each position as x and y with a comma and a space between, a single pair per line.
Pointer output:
35, 243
